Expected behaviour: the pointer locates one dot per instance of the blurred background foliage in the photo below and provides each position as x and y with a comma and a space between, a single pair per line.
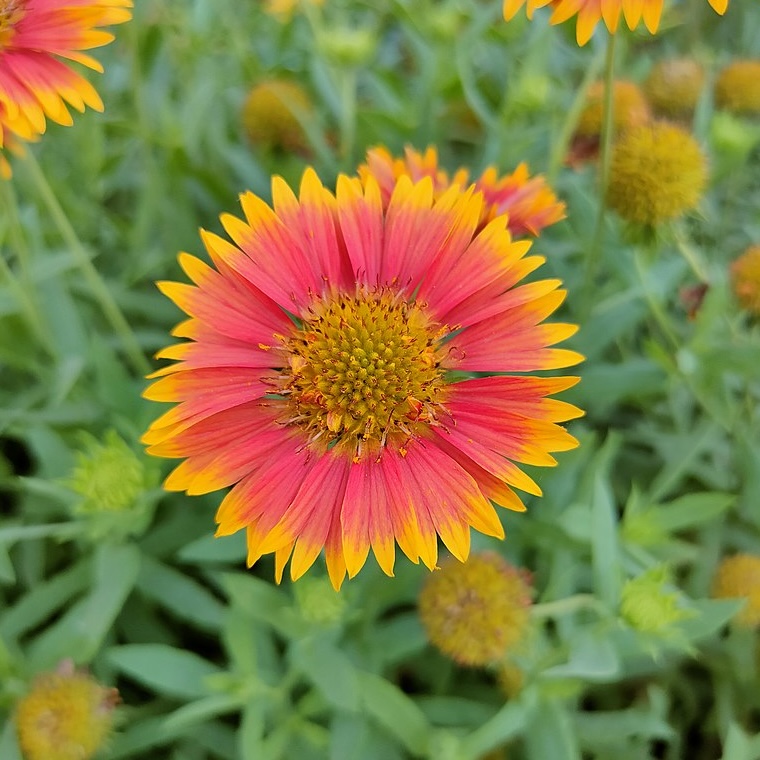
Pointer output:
626, 655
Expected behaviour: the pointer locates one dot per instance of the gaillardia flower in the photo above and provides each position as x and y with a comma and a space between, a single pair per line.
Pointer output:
67, 715
35, 35
739, 576
629, 108
528, 202
591, 12
477, 611
657, 172
737, 88
324, 374
745, 278
674, 86
272, 115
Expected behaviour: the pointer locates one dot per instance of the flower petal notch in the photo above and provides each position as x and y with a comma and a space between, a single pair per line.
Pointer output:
37, 39
326, 375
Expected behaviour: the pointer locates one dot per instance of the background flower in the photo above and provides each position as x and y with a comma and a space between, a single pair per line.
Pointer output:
528, 202
477, 611
657, 172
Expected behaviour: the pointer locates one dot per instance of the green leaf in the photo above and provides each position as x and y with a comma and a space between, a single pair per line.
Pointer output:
395, 712
42, 601
81, 631
202, 710
692, 509
712, 615
210, 549
252, 729
604, 534
550, 734
508, 723
592, 657
9, 749
164, 669
329, 670
179, 594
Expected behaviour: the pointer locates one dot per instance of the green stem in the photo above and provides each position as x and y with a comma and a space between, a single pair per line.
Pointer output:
690, 255
608, 129
654, 305
23, 290
566, 606
90, 274
560, 146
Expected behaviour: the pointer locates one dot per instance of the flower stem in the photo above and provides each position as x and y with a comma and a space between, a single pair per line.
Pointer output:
560, 146
90, 274
654, 305
608, 128
565, 606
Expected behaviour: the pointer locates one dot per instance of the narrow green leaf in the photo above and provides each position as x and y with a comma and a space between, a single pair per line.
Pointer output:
164, 669
202, 710
693, 509
550, 734
179, 594
329, 670
604, 538
395, 712
81, 631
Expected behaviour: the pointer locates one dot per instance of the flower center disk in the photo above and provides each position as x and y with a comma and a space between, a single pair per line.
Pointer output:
11, 12
365, 371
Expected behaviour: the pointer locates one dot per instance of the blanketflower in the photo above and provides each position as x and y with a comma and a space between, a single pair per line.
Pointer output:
67, 715
529, 203
591, 12
323, 374
35, 35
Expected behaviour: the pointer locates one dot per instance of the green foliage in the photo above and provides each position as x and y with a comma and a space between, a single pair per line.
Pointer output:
216, 661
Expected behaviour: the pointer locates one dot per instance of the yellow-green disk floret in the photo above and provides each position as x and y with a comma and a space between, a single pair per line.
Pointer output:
736, 577
657, 172
674, 86
745, 278
477, 611
629, 108
273, 115
737, 88
67, 715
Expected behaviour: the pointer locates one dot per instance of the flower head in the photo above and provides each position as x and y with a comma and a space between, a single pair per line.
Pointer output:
630, 108
737, 88
647, 605
322, 376
273, 115
591, 12
67, 715
110, 481
657, 172
528, 202
745, 277
739, 576
674, 86
37, 37
477, 611
318, 602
